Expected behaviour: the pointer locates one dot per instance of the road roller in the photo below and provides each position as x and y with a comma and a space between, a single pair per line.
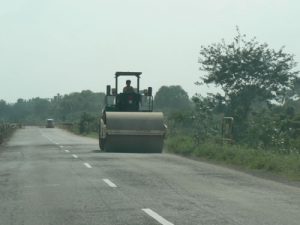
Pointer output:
127, 122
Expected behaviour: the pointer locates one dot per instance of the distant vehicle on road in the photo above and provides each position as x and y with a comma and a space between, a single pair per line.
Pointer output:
50, 123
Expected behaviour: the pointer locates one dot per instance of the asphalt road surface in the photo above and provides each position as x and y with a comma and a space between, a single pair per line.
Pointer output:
52, 177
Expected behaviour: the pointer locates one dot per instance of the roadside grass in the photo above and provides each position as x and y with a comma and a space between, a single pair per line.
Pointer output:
286, 165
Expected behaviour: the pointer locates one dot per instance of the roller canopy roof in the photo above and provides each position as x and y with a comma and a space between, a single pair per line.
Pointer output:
137, 74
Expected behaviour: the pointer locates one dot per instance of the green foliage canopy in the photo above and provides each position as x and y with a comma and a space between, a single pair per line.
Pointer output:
247, 70
172, 98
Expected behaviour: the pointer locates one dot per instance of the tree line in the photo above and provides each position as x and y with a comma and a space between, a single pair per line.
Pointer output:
80, 108
62, 108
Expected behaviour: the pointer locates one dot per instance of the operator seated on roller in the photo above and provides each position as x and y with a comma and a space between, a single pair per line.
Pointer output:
128, 89
128, 101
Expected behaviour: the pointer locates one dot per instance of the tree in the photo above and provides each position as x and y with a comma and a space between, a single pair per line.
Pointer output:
40, 107
4, 110
172, 98
87, 123
248, 72
20, 110
71, 106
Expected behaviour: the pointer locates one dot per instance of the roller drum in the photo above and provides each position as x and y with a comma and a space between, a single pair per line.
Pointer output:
133, 132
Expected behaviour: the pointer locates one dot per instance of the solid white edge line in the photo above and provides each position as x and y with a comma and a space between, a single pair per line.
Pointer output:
109, 183
75, 156
87, 165
67, 151
157, 217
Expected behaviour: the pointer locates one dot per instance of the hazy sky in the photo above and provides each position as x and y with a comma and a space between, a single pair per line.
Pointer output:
62, 46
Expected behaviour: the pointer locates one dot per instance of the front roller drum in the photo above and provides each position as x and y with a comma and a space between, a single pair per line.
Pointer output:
141, 132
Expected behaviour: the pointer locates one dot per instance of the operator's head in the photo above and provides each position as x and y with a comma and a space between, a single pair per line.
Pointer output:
128, 82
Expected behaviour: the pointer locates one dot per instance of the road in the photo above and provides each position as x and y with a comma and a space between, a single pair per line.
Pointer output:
52, 177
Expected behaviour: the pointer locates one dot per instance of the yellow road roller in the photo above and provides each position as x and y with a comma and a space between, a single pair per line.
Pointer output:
128, 123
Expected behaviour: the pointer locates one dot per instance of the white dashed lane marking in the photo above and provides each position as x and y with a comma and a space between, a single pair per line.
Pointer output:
157, 217
88, 165
109, 183
67, 151
75, 156
49, 139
